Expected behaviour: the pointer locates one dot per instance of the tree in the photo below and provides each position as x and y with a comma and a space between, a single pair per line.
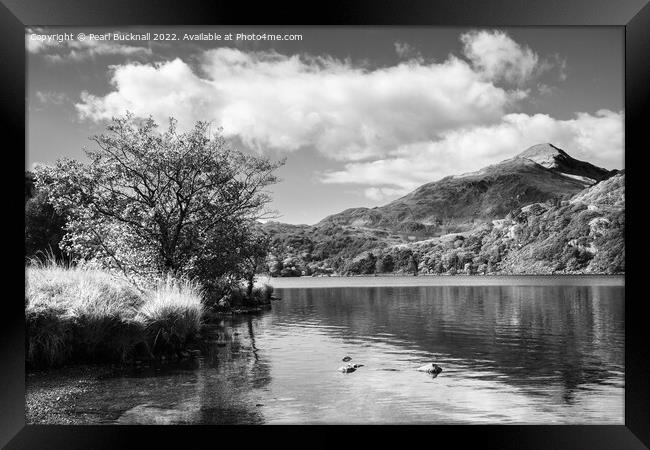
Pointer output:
451, 260
150, 203
30, 189
275, 266
43, 227
253, 255
385, 264
369, 264
363, 264
413, 264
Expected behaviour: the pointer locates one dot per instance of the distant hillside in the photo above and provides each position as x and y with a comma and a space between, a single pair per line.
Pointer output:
539, 212
456, 203
584, 234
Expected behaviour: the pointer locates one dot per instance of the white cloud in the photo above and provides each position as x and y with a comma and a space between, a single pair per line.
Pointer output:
162, 90
499, 57
394, 128
596, 138
406, 51
273, 101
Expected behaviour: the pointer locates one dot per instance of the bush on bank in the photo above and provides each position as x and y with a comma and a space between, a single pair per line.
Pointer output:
238, 299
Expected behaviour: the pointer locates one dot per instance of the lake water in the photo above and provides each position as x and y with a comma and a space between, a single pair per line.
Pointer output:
522, 350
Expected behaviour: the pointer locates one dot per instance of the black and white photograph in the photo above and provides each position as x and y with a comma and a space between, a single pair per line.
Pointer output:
243, 225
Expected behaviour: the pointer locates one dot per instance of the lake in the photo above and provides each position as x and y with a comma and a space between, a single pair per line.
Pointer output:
514, 350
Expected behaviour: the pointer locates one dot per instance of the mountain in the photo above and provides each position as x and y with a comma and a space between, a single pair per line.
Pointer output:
559, 161
583, 234
541, 211
456, 203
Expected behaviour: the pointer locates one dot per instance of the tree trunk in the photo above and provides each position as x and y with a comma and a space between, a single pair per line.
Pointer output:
249, 290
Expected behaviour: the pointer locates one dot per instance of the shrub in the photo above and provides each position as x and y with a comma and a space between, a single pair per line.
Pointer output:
237, 297
260, 295
263, 294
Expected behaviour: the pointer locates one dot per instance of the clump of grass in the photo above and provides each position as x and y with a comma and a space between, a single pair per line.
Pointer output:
171, 314
77, 314
80, 291
47, 338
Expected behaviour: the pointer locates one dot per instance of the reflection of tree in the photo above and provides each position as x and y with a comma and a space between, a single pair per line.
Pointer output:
251, 336
233, 373
259, 368
536, 336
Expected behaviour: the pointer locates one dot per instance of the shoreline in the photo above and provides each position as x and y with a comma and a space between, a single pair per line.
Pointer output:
443, 280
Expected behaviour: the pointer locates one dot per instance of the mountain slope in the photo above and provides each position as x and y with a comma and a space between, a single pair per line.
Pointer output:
541, 211
540, 173
583, 234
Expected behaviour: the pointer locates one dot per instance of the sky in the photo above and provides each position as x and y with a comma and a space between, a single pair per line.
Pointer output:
363, 115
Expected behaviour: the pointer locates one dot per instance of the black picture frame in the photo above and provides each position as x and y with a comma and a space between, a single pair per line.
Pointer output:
632, 15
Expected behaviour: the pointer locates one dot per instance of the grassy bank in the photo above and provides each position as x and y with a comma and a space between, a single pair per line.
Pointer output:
83, 315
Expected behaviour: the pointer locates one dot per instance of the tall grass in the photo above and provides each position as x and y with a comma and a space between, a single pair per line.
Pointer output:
171, 314
82, 314
80, 291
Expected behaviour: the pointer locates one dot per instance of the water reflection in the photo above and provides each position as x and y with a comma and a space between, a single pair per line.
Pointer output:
510, 354
526, 336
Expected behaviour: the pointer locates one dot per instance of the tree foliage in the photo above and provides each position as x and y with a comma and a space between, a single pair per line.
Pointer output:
43, 226
151, 202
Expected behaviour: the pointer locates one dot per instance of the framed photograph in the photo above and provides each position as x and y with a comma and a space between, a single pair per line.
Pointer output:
366, 213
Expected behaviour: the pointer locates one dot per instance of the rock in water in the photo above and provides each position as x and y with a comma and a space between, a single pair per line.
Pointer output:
346, 359
431, 368
349, 368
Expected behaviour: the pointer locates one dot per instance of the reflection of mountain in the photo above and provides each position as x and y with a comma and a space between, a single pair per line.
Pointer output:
570, 336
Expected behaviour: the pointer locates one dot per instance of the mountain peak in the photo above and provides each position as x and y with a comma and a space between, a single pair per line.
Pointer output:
539, 173
557, 160
546, 155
